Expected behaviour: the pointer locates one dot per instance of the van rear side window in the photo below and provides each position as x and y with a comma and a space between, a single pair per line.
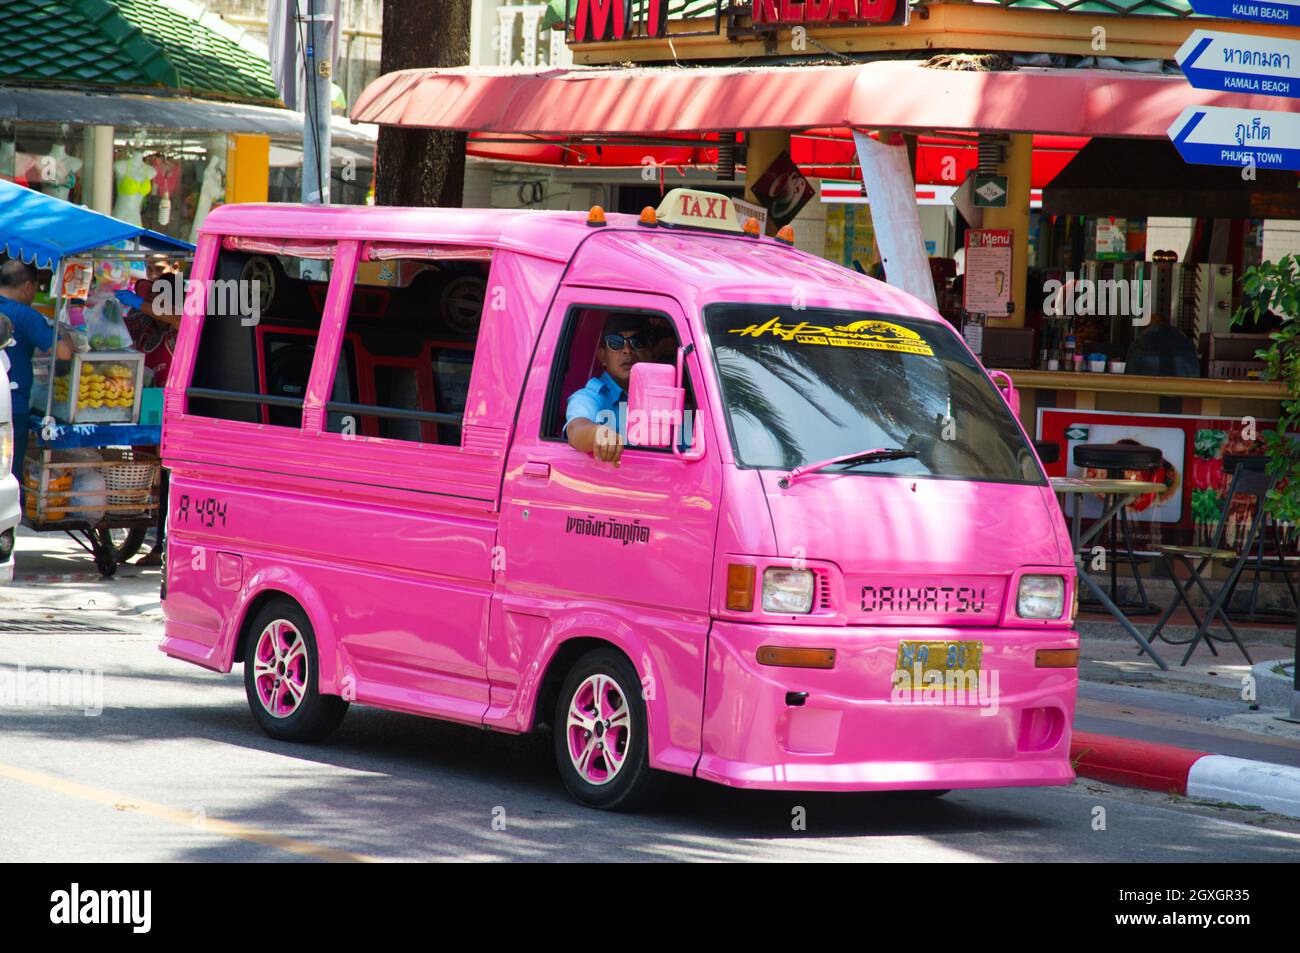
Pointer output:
259, 336
412, 325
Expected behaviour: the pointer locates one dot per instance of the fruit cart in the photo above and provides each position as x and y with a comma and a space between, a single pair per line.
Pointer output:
92, 469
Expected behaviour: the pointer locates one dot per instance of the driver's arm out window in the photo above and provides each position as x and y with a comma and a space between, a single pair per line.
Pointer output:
577, 364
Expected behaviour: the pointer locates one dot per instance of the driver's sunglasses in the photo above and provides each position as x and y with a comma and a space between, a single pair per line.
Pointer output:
615, 342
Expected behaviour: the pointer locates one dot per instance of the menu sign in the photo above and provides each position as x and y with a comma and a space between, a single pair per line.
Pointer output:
986, 286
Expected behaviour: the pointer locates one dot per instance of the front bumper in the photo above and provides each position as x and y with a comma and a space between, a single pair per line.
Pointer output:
10, 516
855, 732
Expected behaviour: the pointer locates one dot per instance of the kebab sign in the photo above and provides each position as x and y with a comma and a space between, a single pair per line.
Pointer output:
603, 21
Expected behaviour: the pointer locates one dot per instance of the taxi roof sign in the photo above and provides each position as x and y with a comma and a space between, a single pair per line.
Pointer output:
693, 208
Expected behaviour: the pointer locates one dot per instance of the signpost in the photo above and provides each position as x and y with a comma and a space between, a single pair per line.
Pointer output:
1236, 63
1281, 12
1243, 138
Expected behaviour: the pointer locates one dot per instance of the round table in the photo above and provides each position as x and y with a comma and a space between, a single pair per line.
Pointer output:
1119, 494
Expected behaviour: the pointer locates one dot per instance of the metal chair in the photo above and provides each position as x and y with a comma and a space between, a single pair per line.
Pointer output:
1259, 563
1115, 459
1246, 481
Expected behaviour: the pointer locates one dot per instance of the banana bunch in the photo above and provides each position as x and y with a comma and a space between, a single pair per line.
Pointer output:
113, 388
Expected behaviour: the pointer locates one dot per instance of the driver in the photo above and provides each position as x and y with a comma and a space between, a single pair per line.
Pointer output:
591, 410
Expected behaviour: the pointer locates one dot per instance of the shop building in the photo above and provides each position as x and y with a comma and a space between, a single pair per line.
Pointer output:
154, 111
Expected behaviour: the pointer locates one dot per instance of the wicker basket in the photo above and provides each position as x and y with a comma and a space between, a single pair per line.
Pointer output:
129, 478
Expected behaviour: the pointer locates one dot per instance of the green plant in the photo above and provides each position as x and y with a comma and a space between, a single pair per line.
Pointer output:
1275, 287
1207, 505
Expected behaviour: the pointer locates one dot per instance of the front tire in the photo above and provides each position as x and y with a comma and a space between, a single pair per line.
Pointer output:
281, 676
601, 738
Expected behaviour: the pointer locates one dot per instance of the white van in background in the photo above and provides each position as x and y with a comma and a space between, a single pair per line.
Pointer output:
9, 512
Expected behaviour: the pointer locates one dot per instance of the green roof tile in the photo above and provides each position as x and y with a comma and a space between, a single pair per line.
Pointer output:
128, 43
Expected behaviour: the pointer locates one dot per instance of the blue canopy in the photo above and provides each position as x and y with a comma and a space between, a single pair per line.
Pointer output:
41, 229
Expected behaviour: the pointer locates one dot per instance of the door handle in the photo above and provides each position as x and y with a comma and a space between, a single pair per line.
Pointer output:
538, 471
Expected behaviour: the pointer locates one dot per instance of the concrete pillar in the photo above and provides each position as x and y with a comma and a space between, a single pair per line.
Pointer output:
100, 166
762, 146
1018, 168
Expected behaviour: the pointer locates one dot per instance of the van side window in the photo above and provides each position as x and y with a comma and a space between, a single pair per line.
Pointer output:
259, 334
412, 325
577, 362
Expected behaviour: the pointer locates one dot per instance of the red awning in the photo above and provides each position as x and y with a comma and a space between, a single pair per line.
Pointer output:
819, 153
896, 94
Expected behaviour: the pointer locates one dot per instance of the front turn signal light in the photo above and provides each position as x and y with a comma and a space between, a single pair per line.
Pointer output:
1056, 658
740, 587
795, 657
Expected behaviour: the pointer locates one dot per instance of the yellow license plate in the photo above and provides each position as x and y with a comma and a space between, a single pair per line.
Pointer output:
925, 657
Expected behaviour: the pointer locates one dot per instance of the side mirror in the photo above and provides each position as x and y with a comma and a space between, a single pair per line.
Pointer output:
654, 405
1008, 389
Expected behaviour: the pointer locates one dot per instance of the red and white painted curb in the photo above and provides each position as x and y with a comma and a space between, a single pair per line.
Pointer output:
1198, 774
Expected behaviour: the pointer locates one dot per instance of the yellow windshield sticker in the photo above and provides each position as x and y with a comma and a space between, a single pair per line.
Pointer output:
871, 333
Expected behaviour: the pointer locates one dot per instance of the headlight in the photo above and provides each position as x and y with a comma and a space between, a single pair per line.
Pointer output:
6, 448
787, 590
1041, 597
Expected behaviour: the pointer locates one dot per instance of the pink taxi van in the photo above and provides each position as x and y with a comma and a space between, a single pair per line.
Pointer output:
827, 559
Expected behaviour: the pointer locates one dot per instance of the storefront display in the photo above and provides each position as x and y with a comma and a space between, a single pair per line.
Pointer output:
45, 156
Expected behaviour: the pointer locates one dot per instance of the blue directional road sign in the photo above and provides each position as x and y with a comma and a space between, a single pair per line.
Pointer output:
1214, 135
1281, 12
1237, 63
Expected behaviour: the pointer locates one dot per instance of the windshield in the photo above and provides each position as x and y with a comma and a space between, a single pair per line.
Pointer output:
801, 386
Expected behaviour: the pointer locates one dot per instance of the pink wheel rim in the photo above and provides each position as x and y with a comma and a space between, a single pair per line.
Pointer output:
598, 729
280, 668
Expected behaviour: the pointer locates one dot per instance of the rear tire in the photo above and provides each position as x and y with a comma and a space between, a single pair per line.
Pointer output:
602, 746
282, 675
127, 541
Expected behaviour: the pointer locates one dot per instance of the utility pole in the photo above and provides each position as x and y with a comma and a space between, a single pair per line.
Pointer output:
314, 47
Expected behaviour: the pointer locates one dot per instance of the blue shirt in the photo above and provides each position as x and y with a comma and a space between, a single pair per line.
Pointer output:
601, 395
32, 333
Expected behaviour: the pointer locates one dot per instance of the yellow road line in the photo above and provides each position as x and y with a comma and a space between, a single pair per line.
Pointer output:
211, 825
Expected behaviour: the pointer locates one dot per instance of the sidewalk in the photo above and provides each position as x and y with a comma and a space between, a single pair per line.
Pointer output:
1199, 730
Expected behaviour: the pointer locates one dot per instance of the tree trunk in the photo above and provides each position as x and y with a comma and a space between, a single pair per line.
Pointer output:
422, 167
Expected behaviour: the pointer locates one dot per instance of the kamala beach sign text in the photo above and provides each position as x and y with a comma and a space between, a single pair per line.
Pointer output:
1237, 63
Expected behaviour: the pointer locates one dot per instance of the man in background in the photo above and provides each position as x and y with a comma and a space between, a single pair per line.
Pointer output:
19, 283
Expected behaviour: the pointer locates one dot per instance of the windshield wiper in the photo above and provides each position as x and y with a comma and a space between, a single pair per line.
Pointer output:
879, 455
